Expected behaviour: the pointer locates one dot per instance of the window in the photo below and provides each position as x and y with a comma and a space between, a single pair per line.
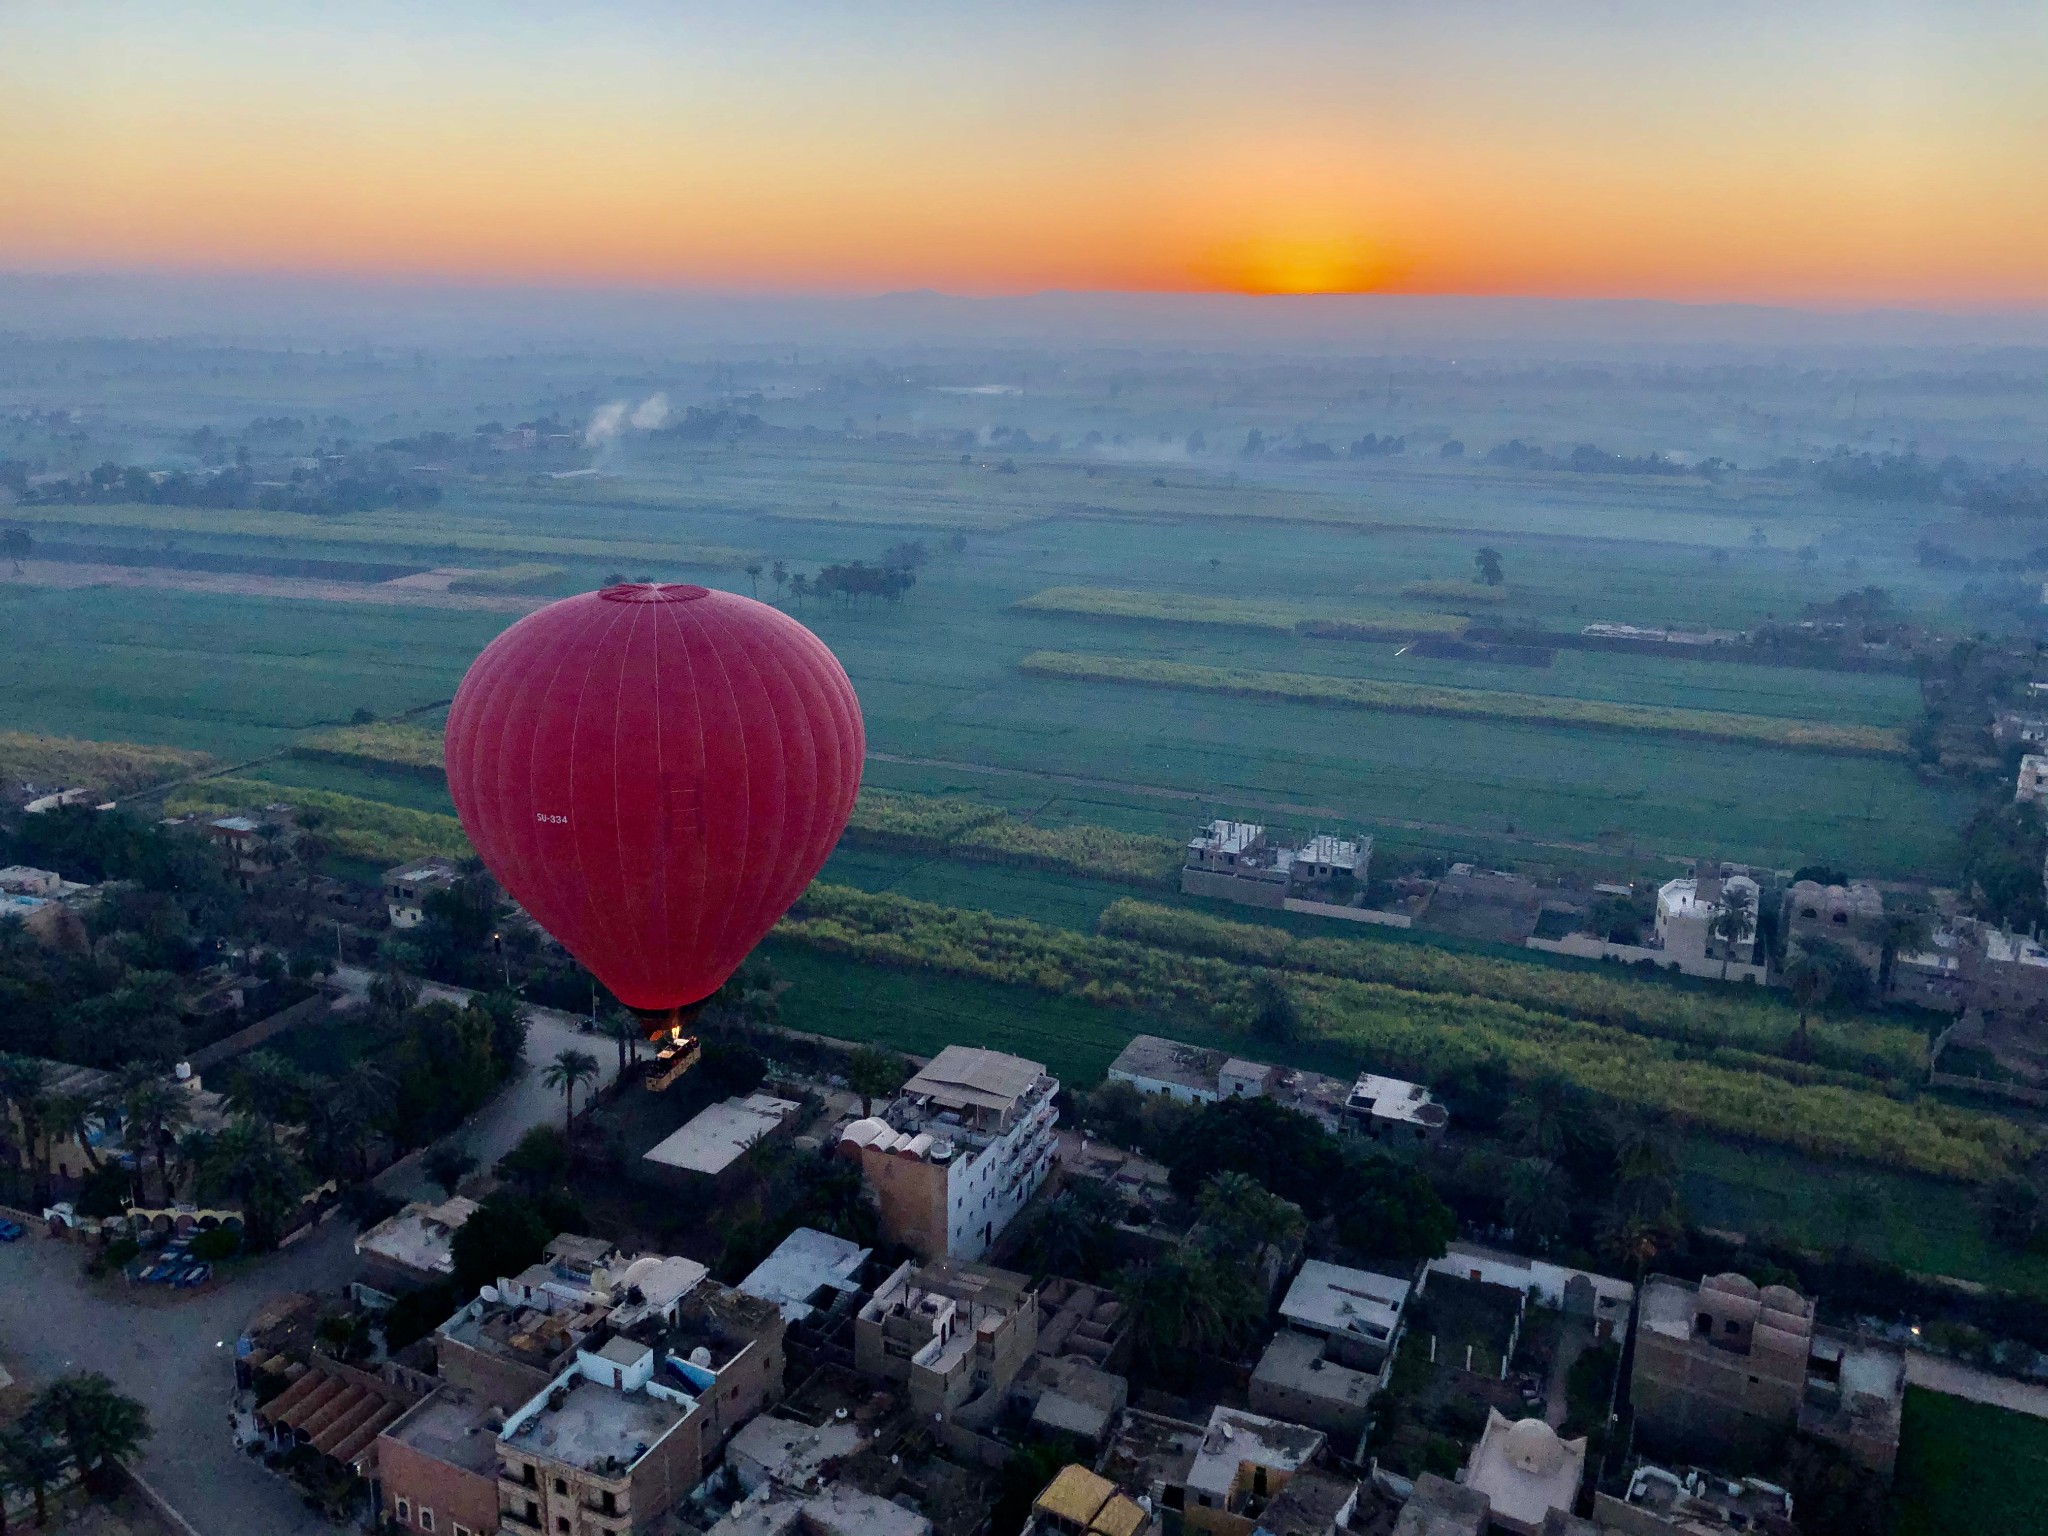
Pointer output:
1731, 1326
562, 1524
532, 1513
426, 1518
405, 1511
460, 1529
530, 1475
561, 1485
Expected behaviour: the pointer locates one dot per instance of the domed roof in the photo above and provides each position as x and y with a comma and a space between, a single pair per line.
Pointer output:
1532, 1446
1782, 1298
1732, 1284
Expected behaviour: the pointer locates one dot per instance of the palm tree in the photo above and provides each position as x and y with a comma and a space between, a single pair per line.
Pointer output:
1536, 1206
157, 1111
267, 1087
98, 1425
32, 1459
1905, 933
393, 994
779, 573
1810, 982
245, 1164
194, 1147
754, 577
1244, 1218
1734, 921
24, 1084
568, 1072
448, 1163
624, 1030
1539, 1122
76, 1115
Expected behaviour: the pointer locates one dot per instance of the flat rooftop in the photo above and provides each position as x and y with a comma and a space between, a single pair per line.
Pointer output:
1235, 1437
1295, 1361
1168, 1061
805, 1263
1668, 1306
719, 1136
597, 1429
452, 1426
1329, 1298
420, 1237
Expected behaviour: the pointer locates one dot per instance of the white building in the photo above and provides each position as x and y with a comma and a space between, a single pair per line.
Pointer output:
2032, 788
960, 1152
1356, 1310
1239, 861
1607, 1302
1394, 1109
407, 888
712, 1143
1526, 1471
809, 1270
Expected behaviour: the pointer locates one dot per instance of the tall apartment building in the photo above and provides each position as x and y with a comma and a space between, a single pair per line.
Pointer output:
960, 1151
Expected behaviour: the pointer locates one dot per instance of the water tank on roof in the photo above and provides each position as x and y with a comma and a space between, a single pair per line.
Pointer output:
488, 1292
182, 1071
701, 1358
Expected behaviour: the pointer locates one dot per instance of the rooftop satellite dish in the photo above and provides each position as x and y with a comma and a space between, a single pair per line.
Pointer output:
488, 1292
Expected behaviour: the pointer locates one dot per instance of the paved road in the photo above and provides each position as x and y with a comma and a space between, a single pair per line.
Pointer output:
175, 1351
1938, 1374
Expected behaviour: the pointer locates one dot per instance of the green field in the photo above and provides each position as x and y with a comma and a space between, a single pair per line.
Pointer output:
1924, 1225
1968, 1468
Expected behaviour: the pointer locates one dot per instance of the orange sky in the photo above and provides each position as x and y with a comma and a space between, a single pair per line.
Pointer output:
1809, 153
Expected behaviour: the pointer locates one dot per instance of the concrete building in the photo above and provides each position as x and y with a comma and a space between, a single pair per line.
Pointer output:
1693, 1502
836, 1510
1355, 1311
1078, 1502
1851, 916
2031, 788
771, 1451
956, 1334
407, 887
808, 1272
506, 1351
1440, 1507
1153, 1064
960, 1151
437, 1467
708, 1149
1728, 1367
1601, 1300
1688, 911
1069, 1395
1392, 1110
1525, 1471
1313, 1504
64, 1152
1238, 861
1296, 1382
605, 1446
1244, 1460
2006, 975
414, 1248
725, 1347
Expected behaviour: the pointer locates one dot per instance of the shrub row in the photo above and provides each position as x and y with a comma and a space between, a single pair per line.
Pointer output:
1233, 613
1428, 1034
108, 766
1751, 1023
1429, 699
1455, 592
385, 744
357, 828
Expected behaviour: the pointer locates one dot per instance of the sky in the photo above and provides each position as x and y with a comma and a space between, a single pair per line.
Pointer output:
1829, 154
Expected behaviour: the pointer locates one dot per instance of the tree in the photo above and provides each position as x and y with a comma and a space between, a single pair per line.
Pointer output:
244, 1164
16, 543
156, 1111
1245, 1219
1487, 562
78, 1115
1734, 921
448, 1163
538, 1162
1856, 1199
393, 994
1275, 1019
624, 1031
1539, 1121
1189, 1302
24, 1086
1904, 933
267, 1087
874, 1074
504, 1234
779, 574
753, 569
98, 1425
1535, 1201
1810, 980
570, 1070
32, 1459
2013, 1207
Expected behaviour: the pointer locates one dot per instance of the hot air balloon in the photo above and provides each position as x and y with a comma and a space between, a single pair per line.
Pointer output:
655, 772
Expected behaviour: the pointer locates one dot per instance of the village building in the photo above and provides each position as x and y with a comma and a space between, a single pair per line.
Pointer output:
407, 887
1689, 915
1851, 916
1295, 1381
1729, 1367
1356, 1312
1526, 1471
1078, 1502
437, 1465
1600, 1300
956, 1334
1440, 1507
412, 1249
1244, 1460
1694, 1502
708, 1150
2031, 787
1239, 861
808, 1272
960, 1151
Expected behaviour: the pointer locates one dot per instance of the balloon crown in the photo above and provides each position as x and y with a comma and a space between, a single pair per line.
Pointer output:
653, 592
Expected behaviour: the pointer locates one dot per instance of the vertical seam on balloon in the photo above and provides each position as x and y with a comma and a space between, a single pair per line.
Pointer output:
581, 883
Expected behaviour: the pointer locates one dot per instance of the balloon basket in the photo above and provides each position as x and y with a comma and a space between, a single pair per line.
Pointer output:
678, 1050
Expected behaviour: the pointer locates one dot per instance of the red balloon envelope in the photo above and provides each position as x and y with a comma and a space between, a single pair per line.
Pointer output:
655, 773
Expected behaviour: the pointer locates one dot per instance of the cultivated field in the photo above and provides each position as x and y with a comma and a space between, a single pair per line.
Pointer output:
1234, 613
